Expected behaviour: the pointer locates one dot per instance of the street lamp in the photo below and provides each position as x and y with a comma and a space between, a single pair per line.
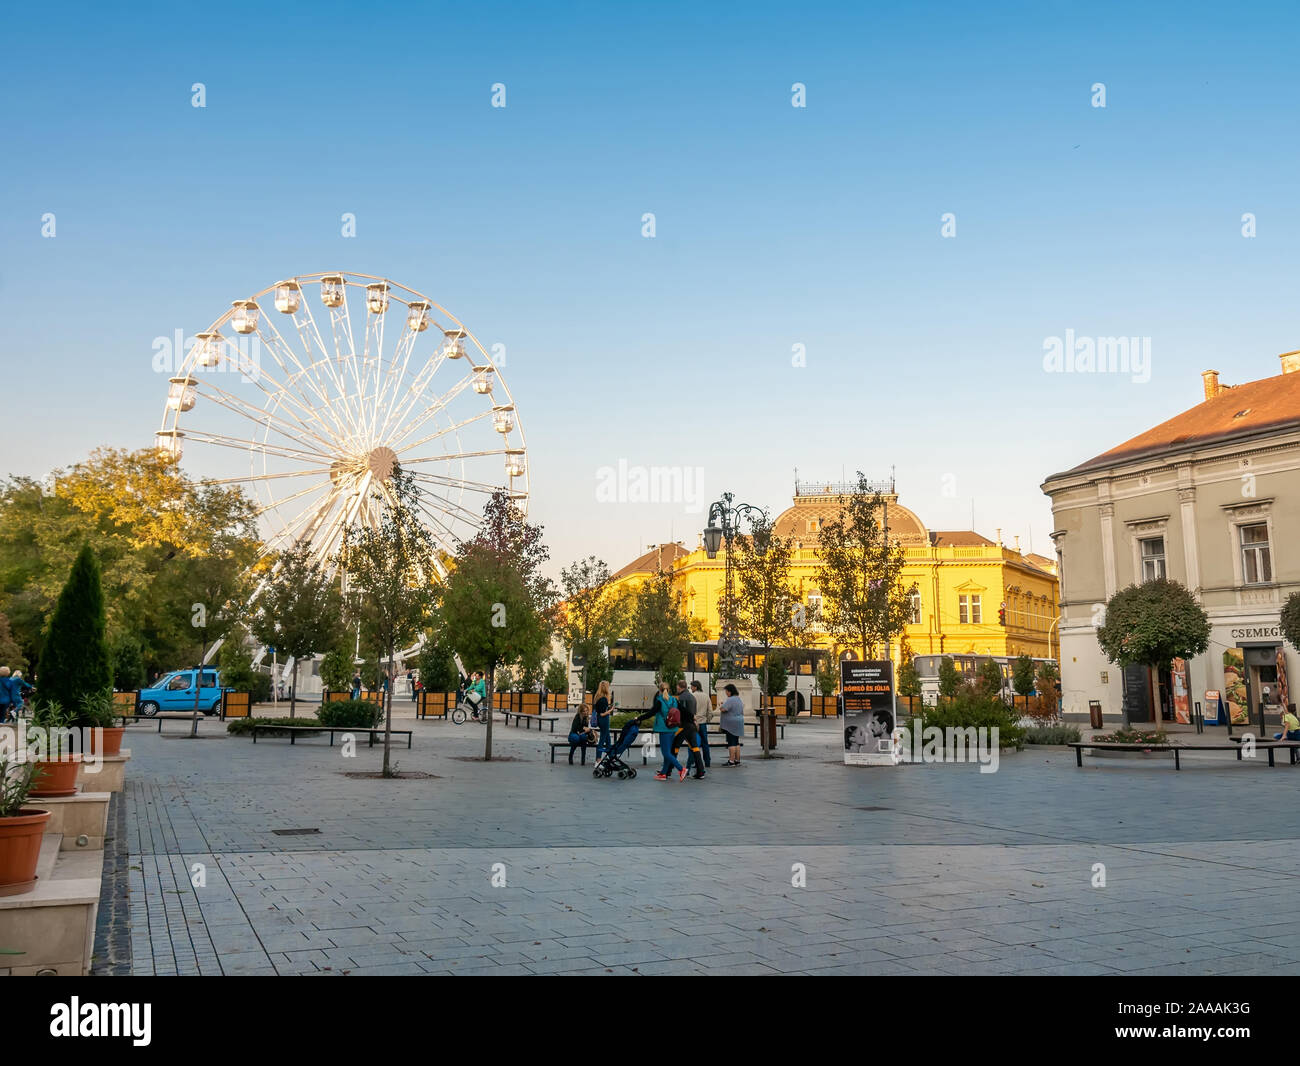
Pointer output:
724, 524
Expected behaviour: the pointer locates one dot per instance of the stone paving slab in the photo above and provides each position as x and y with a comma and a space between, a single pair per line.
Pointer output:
963, 873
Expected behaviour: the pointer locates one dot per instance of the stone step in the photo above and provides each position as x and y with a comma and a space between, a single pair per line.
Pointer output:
53, 925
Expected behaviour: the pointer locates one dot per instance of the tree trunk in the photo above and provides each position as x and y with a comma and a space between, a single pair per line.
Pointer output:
763, 697
491, 680
387, 698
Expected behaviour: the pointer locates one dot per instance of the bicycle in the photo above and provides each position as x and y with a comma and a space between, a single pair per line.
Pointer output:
464, 711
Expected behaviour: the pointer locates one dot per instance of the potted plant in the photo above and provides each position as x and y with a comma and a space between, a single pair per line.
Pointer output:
21, 827
55, 774
99, 712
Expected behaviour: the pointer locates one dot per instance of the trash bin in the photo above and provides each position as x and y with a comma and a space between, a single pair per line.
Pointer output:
1094, 713
768, 720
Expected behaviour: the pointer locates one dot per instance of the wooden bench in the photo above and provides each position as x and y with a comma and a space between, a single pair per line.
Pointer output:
754, 727
557, 744
529, 719
174, 716
293, 730
1268, 745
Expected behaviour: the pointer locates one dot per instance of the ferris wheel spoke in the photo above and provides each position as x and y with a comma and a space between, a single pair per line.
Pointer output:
329, 363
280, 503
261, 380
451, 457
225, 441
294, 430
245, 478
432, 515
341, 331
395, 375
435, 409
457, 483
421, 382
302, 377
449, 507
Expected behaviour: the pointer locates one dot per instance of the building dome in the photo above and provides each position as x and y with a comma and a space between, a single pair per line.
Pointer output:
803, 521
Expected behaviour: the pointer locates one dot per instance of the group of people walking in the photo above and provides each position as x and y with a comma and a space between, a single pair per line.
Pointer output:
13, 694
681, 718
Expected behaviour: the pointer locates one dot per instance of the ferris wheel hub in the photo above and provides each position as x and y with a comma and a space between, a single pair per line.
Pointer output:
383, 462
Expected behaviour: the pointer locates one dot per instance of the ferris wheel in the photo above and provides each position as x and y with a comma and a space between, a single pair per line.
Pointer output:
325, 414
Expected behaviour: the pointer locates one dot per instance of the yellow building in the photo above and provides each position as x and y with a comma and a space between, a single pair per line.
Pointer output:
963, 581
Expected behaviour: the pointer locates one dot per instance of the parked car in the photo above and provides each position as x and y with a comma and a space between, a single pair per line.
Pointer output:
175, 692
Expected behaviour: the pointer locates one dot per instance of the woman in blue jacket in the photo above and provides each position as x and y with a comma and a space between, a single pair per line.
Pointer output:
664, 705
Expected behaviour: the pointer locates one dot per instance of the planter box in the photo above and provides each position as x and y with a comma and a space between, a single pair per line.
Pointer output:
111, 776
54, 924
82, 815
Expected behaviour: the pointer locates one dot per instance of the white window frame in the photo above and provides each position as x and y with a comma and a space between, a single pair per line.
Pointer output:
1266, 547
1162, 559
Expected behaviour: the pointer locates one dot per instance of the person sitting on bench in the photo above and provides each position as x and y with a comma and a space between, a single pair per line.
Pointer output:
580, 732
1290, 726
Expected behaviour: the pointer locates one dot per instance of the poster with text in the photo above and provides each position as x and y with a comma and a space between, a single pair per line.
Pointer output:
868, 691
1182, 706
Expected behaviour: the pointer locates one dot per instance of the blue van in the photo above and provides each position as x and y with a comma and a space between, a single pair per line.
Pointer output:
175, 692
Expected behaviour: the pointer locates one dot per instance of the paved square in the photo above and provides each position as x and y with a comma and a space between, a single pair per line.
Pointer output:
961, 872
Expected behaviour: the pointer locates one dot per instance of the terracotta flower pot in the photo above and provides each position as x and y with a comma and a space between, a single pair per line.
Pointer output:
57, 778
110, 740
20, 848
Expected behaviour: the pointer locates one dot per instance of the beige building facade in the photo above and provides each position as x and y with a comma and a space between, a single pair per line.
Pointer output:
1209, 498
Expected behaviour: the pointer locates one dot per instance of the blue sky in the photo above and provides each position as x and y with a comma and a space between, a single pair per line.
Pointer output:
775, 225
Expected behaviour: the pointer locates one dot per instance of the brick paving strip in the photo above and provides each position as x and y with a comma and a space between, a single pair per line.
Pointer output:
112, 953
959, 873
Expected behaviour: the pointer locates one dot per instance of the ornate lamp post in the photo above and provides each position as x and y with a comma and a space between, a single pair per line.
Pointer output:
724, 524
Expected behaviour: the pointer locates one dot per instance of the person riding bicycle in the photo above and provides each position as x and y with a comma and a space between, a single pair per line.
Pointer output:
476, 693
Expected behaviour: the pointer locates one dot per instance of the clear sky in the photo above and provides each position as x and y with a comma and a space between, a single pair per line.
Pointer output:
775, 226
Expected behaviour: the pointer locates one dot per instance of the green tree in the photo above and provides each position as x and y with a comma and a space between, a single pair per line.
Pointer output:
238, 671
336, 670
145, 521
598, 669
593, 614
505, 680
828, 675
496, 600
1290, 620
127, 655
773, 675
909, 681
1022, 676
11, 655
388, 568
659, 630
75, 661
557, 676
1045, 681
437, 665
988, 678
860, 574
767, 608
299, 611
1151, 625
950, 679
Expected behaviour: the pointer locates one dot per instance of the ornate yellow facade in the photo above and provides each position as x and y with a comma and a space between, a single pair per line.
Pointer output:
963, 580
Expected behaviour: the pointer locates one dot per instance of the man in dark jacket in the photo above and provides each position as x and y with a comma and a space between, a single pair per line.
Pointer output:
687, 730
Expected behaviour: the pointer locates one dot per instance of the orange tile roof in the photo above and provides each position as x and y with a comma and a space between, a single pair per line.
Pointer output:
662, 556
1237, 411
957, 538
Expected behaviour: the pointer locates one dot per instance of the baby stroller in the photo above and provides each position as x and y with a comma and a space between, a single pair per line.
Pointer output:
610, 763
